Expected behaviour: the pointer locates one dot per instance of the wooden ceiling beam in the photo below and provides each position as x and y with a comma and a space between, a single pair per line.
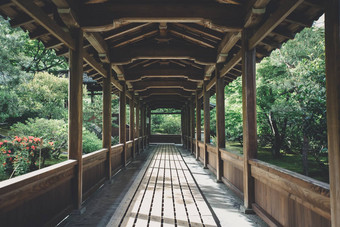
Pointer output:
31, 9
283, 10
126, 55
164, 72
203, 31
100, 45
101, 17
191, 38
134, 39
145, 85
166, 91
121, 31
233, 62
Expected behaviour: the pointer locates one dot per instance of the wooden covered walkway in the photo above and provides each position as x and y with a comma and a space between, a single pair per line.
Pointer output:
168, 195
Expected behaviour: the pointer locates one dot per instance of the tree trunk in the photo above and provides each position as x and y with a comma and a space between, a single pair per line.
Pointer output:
305, 154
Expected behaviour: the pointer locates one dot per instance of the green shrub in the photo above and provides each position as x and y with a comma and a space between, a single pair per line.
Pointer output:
91, 142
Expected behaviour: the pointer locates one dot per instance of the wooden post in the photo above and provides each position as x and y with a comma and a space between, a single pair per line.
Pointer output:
137, 127
149, 124
192, 124
75, 120
188, 126
332, 37
220, 124
132, 125
183, 128
143, 126
107, 96
122, 122
249, 119
206, 107
198, 124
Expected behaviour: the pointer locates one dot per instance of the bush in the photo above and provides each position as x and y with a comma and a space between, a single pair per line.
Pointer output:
91, 142
23, 155
47, 129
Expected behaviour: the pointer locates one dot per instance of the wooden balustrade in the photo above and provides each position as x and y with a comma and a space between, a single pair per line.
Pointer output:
285, 198
46, 196
212, 156
42, 197
94, 171
116, 158
201, 151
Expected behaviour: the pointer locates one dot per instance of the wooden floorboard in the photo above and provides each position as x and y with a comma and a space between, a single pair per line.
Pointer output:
168, 194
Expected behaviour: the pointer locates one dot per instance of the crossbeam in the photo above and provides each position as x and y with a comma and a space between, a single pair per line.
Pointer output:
104, 16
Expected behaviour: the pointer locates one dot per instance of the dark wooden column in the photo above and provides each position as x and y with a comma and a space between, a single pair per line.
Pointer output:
332, 36
75, 121
137, 126
107, 117
143, 126
188, 125
206, 108
220, 124
182, 126
198, 124
132, 125
122, 121
192, 124
184, 114
149, 125
249, 119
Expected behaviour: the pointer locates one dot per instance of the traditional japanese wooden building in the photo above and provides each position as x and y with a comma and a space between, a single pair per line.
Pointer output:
174, 54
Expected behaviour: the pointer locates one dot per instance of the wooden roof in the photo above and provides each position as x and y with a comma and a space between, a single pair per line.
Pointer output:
163, 50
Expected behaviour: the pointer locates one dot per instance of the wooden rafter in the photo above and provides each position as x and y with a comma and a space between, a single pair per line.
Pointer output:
100, 17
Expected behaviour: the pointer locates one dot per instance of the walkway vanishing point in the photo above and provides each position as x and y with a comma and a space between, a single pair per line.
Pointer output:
164, 190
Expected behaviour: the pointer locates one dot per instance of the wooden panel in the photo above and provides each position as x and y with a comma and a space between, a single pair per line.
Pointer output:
33, 199
233, 171
94, 171
116, 154
129, 150
289, 198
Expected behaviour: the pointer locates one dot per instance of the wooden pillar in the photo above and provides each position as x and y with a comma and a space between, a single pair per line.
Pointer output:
183, 128
107, 96
198, 124
206, 108
75, 120
332, 37
143, 126
132, 125
122, 122
188, 125
192, 124
137, 126
220, 124
249, 119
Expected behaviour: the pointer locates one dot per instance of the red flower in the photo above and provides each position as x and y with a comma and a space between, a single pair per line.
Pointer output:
8, 155
33, 147
4, 164
4, 152
30, 141
1, 143
9, 151
10, 158
51, 143
27, 148
5, 141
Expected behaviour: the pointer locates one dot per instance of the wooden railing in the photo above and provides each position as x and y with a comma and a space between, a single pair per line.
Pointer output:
282, 197
43, 197
46, 196
286, 198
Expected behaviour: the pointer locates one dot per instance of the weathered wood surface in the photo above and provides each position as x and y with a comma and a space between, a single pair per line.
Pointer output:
332, 29
168, 195
289, 198
116, 157
94, 171
33, 199
165, 139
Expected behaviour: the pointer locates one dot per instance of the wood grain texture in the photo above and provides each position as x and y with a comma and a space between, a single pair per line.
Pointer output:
332, 29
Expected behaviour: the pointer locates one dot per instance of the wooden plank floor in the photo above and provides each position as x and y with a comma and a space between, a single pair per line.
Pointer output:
168, 195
